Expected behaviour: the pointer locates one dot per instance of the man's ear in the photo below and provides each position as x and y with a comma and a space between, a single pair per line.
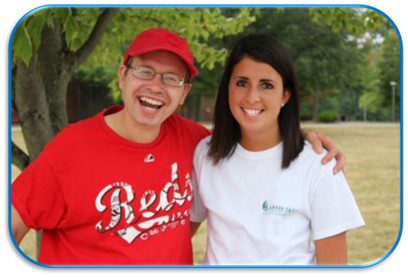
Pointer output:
186, 90
121, 75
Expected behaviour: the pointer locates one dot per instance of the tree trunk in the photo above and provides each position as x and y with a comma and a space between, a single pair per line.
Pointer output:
55, 73
32, 107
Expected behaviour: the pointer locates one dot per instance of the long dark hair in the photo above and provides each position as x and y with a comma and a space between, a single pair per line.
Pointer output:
226, 134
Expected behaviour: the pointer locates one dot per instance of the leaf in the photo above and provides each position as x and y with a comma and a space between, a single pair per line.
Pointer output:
22, 46
61, 14
49, 20
71, 28
34, 28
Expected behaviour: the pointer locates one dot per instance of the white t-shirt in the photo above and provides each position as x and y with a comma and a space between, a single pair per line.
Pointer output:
258, 213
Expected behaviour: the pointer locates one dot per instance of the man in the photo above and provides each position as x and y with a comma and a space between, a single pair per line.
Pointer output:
116, 188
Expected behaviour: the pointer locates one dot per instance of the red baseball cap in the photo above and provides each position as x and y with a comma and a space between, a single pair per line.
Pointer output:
161, 39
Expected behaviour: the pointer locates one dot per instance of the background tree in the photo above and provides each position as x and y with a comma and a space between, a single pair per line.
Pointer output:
377, 64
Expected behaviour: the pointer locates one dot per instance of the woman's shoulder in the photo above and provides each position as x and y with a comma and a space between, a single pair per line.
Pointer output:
204, 145
201, 150
312, 160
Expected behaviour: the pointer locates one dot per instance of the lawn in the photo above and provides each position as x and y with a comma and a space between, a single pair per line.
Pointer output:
372, 153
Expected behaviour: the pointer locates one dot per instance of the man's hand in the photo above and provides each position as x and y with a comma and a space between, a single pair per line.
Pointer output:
319, 142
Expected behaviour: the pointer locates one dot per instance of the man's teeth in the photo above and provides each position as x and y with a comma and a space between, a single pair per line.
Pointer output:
151, 104
252, 112
151, 101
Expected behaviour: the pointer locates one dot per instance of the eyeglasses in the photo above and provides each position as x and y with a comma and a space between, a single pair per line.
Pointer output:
147, 73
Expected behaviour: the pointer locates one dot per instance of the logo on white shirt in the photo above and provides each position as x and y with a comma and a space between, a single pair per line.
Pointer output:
277, 209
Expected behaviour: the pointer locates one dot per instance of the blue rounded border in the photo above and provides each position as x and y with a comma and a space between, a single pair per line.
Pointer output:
141, 6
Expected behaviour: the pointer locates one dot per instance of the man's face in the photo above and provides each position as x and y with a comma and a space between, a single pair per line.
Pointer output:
149, 102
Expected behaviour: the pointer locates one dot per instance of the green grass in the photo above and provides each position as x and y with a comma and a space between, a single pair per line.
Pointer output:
373, 171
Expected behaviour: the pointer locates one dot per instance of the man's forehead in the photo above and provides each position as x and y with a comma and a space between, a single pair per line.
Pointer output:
161, 59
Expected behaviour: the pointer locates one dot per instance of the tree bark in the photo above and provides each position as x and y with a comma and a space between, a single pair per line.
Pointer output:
31, 105
55, 74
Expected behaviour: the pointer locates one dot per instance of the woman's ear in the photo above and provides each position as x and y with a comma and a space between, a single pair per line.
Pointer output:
286, 96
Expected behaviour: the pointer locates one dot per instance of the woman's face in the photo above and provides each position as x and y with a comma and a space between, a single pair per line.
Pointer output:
255, 97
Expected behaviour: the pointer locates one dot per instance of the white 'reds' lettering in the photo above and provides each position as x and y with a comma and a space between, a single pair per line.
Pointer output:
116, 205
147, 212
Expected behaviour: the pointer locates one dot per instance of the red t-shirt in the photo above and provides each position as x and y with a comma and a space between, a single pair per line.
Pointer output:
101, 199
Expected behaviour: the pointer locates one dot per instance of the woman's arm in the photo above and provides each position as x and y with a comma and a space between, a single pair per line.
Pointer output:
332, 250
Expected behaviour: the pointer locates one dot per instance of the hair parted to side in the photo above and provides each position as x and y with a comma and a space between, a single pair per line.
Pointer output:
226, 133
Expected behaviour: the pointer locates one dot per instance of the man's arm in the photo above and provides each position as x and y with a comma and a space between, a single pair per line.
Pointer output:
18, 227
332, 250
319, 142
194, 227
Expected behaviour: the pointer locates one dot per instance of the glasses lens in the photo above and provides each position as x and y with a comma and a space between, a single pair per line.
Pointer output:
143, 72
172, 80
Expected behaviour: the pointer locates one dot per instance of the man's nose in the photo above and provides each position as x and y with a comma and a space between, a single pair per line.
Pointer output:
156, 83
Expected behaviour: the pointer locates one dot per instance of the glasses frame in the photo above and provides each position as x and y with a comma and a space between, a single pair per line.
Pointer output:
183, 80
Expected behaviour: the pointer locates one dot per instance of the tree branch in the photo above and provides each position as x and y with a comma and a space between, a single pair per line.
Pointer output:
103, 21
19, 157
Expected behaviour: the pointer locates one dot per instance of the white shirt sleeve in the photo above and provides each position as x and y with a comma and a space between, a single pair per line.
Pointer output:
333, 208
198, 210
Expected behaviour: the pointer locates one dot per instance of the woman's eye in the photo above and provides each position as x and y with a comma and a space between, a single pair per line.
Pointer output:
241, 83
267, 86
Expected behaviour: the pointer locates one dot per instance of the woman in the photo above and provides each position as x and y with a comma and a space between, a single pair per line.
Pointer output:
266, 195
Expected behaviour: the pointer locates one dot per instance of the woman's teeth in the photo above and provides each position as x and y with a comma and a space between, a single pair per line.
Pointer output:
252, 112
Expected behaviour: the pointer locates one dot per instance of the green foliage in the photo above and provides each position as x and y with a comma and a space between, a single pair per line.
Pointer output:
22, 45
355, 21
305, 115
328, 116
76, 27
197, 25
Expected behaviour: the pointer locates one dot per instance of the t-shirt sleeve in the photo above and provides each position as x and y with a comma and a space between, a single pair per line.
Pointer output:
37, 196
201, 133
333, 208
198, 210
